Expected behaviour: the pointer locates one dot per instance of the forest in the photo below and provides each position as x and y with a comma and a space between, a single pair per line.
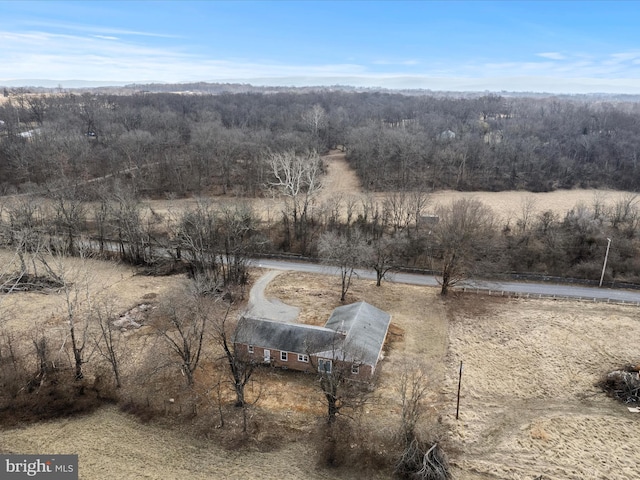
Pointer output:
96, 155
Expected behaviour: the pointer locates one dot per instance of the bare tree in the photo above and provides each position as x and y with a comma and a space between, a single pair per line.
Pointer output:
419, 460
183, 324
132, 225
217, 241
108, 339
25, 230
69, 218
347, 252
44, 356
397, 211
383, 254
342, 394
316, 120
527, 211
238, 239
75, 282
241, 364
624, 214
413, 390
197, 237
101, 218
298, 178
464, 229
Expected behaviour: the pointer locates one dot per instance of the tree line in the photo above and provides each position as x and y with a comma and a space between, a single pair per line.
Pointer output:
212, 241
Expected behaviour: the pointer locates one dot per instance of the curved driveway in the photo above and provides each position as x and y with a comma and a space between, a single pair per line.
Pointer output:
513, 288
269, 308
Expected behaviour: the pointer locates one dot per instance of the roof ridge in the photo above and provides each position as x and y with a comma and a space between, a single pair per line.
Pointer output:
291, 324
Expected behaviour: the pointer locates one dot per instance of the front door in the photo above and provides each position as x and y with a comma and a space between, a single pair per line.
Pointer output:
267, 356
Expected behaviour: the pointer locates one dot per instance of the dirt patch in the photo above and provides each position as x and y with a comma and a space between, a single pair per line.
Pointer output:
530, 405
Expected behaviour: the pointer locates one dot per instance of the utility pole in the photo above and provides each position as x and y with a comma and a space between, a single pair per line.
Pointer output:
606, 256
459, 385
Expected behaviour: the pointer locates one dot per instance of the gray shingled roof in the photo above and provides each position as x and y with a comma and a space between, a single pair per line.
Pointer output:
290, 337
361, 330
366, 328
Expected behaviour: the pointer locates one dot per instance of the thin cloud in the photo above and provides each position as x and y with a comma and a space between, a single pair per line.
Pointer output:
405, 63
617, 58
57, 56
74, 27
100, 57
552, 55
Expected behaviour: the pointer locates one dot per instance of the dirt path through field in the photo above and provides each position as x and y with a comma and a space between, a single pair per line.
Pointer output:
340, 178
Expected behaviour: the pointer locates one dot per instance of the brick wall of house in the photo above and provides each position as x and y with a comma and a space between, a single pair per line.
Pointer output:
293, 363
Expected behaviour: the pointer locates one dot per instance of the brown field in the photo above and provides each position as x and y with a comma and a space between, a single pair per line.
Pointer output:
341, 183
529, 407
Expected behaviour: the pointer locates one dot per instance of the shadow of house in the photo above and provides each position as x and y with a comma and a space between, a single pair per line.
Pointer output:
353, 336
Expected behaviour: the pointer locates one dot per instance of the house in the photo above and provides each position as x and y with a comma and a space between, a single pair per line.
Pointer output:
352, 338
446, 136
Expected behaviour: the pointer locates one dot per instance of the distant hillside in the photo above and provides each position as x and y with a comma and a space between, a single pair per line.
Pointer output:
118, 87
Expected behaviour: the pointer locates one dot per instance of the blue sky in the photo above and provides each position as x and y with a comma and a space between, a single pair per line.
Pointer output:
554, 46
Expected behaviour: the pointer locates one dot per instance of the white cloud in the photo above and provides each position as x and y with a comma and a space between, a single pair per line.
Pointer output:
623, 57
98, 29
405, 63
100, 56
552, 55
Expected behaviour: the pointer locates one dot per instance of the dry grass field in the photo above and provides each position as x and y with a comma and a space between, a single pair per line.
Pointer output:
342, 184
529, 408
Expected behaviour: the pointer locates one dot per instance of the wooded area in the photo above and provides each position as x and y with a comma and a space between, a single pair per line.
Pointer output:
189, 144
97, 155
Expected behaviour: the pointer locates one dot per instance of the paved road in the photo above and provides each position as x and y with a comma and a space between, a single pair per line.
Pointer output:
516, 288
519, 288
270, 308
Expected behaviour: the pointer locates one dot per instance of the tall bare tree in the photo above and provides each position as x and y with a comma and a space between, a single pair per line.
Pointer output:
382, 255
183, 323
76, 280
413, 391
108, 340
131, 227
342, 395
463, 234
198, 238
69, 219
297, 177
241, 364
347, 252
420, 460
316, 120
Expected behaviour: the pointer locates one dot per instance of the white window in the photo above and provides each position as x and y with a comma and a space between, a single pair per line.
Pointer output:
355, 369
283, 356
324, 366
250, 348
303, 358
